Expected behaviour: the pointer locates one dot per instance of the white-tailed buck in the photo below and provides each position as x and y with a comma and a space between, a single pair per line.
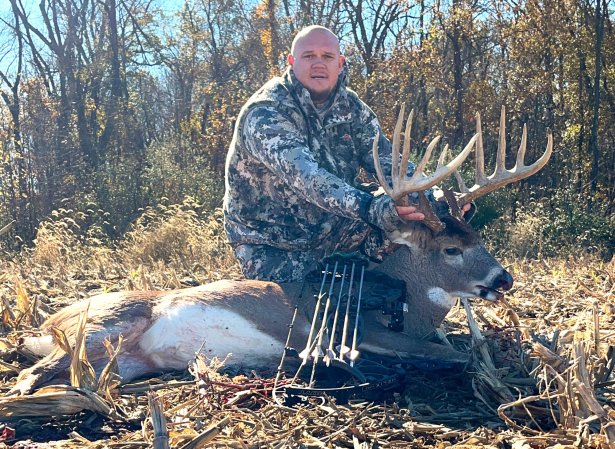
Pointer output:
439, 260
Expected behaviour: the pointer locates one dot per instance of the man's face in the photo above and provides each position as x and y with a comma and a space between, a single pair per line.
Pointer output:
317, 63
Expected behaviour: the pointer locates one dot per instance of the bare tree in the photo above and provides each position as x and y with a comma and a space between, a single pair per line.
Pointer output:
600, 10
15, 172
374, 24
301, 13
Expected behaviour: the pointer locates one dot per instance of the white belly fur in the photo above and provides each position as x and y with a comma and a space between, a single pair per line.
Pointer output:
184, 329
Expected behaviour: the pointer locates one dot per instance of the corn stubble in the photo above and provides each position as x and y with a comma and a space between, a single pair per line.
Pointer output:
541, 372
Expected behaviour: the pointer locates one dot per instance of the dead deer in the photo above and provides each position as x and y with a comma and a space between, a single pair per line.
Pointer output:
439, 259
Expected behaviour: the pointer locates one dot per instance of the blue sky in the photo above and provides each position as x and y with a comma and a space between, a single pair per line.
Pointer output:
7, 55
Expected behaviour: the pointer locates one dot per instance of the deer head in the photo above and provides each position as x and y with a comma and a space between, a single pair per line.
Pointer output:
449, 255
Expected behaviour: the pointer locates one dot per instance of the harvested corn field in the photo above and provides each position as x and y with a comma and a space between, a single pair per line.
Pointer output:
540, 375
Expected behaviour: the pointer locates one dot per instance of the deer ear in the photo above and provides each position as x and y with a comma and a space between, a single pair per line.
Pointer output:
440, 206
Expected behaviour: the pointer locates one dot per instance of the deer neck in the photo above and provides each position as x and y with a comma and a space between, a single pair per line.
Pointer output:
428, 303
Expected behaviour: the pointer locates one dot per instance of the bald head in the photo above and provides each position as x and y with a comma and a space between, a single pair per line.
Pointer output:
316, 61
326, 33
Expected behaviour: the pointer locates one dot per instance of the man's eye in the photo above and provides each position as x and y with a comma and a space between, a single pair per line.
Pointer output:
452, 251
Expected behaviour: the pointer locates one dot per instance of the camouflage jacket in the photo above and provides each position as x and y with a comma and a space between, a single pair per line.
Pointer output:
291, 170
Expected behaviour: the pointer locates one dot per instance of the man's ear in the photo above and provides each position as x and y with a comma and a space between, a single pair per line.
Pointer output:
291, 59
341, 61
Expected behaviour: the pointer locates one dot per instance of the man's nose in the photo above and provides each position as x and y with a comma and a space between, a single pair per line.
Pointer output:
318, 60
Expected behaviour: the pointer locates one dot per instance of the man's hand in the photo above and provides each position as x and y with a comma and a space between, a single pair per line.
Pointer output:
384, 214
409, 213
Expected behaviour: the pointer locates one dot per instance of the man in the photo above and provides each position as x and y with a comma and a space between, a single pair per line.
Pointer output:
292, 171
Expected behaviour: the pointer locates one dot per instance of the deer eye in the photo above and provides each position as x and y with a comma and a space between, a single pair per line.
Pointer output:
452, 251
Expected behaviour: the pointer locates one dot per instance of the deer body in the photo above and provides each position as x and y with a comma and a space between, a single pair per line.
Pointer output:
439, 260
249, 319
164, 330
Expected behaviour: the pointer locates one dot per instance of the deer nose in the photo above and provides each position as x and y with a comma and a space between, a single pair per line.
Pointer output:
504, 281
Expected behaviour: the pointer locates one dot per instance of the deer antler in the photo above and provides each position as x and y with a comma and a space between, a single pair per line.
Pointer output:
419, 182
501, 176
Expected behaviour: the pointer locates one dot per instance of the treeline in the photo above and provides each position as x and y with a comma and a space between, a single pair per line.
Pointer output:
109, 106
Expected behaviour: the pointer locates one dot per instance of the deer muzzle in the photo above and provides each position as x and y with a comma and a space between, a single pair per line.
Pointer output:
503, 281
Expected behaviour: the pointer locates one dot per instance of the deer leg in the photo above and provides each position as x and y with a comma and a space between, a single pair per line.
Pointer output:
54, 367
423, 354
42, 372
134, 365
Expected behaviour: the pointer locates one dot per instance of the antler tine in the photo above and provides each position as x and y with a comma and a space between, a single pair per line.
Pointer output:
500, 162
522, 147
480, 152
420, 181
395, 173
420, 168
405, 156
381, 179
443, 156
501, 176
463, 187
375, 154
479, 161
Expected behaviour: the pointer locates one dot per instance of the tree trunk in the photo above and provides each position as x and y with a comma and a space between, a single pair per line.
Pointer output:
581, 140
115, 98
273, 36
593, 139
455, 37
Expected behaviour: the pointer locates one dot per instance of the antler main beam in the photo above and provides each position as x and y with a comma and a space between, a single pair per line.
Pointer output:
501, 176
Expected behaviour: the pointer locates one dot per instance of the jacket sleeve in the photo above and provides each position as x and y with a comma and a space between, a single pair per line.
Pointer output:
279, 143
